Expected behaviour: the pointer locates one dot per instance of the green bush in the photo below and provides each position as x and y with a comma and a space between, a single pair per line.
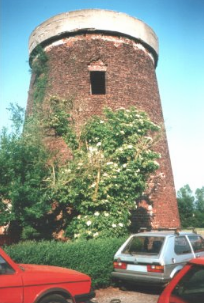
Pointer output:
112, 160
93, 257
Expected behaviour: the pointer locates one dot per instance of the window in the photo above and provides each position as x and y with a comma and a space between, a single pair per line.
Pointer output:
197, 242
191, 287
144, 245
97, 82
181, 246
5, 268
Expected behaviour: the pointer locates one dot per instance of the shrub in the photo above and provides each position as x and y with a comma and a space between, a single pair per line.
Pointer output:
93, 257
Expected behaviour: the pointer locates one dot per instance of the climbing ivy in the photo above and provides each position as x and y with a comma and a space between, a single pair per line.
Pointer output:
39, 68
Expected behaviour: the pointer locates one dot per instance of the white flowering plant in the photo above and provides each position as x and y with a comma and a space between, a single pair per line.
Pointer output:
110, 168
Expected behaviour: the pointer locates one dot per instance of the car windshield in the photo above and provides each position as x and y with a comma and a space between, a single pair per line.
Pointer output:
191, 287
144, 245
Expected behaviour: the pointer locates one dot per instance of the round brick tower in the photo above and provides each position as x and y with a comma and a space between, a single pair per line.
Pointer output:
100, 58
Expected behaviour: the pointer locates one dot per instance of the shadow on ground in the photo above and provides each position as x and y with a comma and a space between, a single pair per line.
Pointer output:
157, 290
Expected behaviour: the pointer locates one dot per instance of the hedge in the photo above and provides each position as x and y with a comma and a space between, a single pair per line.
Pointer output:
93, 257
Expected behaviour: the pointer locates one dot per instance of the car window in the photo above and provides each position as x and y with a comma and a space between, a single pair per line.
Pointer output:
191, 287
5, 268
197, 242
181, 245
144, 245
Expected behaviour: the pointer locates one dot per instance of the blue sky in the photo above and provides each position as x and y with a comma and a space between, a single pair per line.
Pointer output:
179, 25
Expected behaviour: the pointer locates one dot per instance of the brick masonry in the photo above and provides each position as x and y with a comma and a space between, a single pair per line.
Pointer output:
130, 81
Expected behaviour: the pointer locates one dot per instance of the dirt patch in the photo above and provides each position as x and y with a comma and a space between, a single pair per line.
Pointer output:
133, 295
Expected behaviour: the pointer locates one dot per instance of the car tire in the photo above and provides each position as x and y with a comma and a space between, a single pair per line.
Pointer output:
53, 299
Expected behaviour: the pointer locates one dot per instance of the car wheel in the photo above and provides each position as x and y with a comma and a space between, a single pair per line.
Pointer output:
53, 299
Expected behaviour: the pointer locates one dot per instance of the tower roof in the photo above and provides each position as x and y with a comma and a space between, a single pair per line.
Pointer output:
94, 20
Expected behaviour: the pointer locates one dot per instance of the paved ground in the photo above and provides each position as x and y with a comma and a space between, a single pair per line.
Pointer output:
132, 295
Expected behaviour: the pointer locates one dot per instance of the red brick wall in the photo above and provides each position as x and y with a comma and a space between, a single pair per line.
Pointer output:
130, 81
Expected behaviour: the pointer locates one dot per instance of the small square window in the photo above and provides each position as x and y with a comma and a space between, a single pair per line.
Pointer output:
97, 79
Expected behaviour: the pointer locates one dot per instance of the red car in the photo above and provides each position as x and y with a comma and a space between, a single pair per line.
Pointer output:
187, 286
25, 283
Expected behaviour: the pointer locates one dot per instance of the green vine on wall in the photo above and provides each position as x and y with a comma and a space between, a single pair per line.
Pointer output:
39, 68
59, 119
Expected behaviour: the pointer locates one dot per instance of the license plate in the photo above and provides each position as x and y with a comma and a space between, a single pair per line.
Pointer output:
140, 268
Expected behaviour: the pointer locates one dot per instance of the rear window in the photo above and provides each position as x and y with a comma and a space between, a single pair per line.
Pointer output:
144, 245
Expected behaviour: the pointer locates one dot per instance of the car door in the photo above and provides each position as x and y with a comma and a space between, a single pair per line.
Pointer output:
197, 243
11, 290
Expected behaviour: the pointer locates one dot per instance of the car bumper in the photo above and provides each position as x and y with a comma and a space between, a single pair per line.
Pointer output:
134, 277
84, 297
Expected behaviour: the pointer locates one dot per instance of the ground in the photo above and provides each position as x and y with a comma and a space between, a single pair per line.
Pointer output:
131, 295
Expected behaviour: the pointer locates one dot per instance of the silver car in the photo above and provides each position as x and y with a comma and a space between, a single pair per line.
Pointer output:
155, 257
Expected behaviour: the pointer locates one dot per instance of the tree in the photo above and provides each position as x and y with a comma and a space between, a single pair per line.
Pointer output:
111, 164
185, 200
90, 195
199, 207
24, 201
199, 199
191, 206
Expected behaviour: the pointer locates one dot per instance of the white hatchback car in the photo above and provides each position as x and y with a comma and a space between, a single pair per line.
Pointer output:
155, 257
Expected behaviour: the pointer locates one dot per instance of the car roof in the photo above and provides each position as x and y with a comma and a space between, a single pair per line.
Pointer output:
164, 233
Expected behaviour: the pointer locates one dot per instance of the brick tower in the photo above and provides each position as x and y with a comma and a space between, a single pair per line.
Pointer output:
101, 58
